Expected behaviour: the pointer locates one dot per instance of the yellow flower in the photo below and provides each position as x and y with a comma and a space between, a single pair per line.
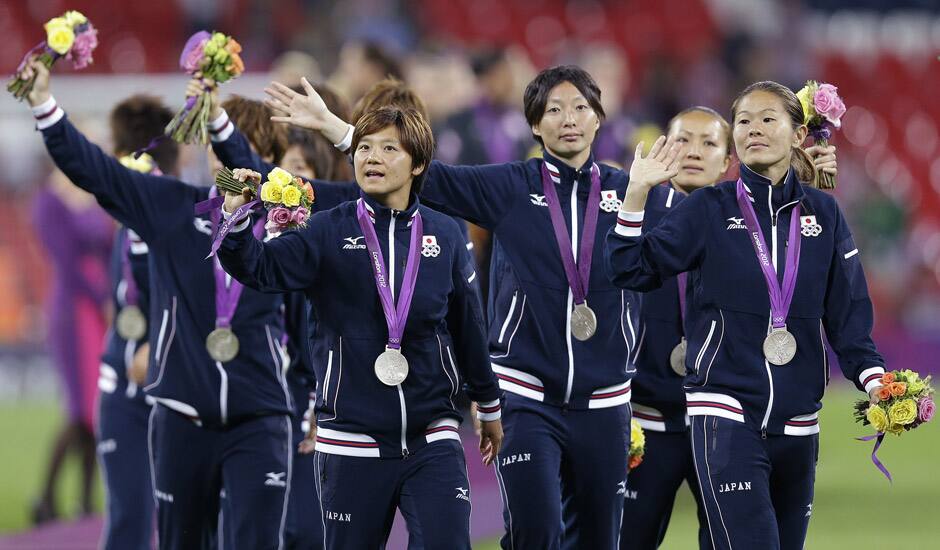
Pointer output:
210, 49
291, 196
806, 100
915, 387
271, 192
280, 176
143, 164
903, 412
877, 417
75, 18
59, 35
637, 437
219, 39
220, 57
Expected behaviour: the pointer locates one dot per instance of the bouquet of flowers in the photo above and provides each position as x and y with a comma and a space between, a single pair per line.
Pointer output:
143, 163
71, 36
213, 57
288, 198
637, 444
905, 401
822, 111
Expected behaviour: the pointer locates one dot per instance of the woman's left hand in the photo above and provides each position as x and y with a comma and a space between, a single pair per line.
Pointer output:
824, 158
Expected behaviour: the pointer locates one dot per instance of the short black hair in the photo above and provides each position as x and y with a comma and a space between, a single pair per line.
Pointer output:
137, 120
536, 93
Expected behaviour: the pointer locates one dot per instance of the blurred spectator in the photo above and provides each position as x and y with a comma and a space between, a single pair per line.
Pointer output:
77, 234
493, 130
289, 67
361, 65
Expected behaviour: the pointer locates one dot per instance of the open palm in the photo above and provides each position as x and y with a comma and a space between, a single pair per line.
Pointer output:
303, 110
661, 164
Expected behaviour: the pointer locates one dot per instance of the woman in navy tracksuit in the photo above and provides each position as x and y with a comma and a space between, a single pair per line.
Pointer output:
704, 138
753, 406
123, 408
567, 412
385, 439
217, 424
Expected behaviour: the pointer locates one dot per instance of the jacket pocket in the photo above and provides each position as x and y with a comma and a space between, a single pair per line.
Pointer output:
509, 323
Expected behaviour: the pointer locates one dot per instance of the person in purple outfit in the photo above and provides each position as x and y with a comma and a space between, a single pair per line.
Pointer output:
76, 234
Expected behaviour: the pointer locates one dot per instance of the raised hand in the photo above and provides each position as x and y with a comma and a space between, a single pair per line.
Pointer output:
198, 85
491, 440
661, 164
40, 92
824, 158
304, 110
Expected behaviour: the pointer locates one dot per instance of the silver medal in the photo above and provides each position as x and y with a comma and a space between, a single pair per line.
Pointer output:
222, 344
391, 367
677, 358
131, 323
583, 322
779, 347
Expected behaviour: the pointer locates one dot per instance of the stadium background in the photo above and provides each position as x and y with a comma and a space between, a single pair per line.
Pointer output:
651, 58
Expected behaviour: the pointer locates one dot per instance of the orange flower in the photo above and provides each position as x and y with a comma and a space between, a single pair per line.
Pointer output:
634, 462
897, 388
233, 47
887, 378
309, 189
237, 66
884, 393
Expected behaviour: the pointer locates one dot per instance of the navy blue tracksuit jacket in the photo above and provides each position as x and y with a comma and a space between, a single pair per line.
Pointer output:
443, 341
531, 346
160, 210
730, 310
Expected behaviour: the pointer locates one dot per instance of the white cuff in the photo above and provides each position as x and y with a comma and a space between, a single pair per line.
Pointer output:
489, 411
345, 143
240, 226
871, 378
47, 113
629, 224
221, 128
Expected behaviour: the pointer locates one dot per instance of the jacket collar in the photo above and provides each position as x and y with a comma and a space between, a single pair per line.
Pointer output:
377, 211
758, 187
561, 172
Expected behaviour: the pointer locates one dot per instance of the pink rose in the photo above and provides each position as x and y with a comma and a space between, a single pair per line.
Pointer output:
828, 104
192, 58
300, 216
280, 216
84, 44
925, 409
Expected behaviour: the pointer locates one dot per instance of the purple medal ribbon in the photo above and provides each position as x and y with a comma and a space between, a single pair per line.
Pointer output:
131, 293
395, 315
780, 298
578, 274
227, 295
879, 437
683, 280
214, 205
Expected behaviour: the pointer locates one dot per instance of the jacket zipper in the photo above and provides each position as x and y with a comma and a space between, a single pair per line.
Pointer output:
391, 277
774, 215
574, 251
